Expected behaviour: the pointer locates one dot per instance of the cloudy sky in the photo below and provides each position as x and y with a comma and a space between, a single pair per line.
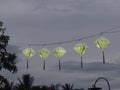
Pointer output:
46, 21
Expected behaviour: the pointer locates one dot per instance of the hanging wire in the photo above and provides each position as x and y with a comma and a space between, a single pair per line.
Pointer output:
111, 29
108, 31
79, 39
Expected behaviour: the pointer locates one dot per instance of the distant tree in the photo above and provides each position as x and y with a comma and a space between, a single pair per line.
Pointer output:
44, 88
79, 89
55, 87
7, 59
3, 82
36, 87
67, 87
9, 86
26, 82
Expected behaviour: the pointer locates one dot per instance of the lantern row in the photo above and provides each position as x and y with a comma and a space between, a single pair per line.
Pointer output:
81, 48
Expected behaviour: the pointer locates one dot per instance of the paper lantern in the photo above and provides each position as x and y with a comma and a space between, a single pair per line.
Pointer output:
44, 54
81, 49
29, 53
59, 52
102, 43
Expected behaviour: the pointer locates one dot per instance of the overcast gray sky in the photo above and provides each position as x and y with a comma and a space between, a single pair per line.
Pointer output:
46, 21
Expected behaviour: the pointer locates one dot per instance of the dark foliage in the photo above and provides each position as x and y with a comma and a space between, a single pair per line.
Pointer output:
55, 87
7, 60
36, 88
25, 83
67, 87
5, 84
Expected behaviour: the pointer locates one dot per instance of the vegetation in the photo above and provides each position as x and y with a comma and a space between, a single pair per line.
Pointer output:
67, 87
26, 83
7, 59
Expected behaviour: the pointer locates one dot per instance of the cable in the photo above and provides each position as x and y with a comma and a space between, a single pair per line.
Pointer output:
108, 31
79, 39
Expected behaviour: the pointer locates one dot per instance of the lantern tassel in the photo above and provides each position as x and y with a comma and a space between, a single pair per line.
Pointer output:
27, 64
81, 62
43, 64
103, 57
59, 64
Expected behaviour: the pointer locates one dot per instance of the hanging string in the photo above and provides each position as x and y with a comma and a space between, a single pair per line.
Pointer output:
108, 31
27, 58
79, 39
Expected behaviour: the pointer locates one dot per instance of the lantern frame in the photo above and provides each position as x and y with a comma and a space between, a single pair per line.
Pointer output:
44, 53
81, 49
28, 53
59, 52
102, 43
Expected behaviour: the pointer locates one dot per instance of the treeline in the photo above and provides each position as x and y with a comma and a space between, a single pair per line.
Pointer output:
26, 83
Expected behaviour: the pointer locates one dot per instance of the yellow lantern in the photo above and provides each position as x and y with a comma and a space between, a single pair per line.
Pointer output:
59, 52
44, 54
29, 53
81, 49
102, 43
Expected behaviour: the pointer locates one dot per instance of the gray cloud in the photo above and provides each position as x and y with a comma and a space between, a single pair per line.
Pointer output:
85, 7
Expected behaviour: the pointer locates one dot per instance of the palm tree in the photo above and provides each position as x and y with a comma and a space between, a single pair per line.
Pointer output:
5, 84
9, 86
25, 83
67, 87
55, 87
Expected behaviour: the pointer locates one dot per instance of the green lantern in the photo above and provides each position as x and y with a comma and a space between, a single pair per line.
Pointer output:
44, 54
81, 49
102, 43
59, 52
29, 53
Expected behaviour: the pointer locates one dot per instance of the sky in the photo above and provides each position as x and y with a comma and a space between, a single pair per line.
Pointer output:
49, 21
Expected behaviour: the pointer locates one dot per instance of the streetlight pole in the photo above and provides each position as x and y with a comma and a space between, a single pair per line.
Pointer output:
96, 88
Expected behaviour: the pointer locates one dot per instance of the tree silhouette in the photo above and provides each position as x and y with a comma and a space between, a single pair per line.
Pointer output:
67, 87
3, 82
7, 59
25, 83
9, 86
55, 87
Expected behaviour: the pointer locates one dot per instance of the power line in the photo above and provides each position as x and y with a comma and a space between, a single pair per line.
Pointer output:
114, 28
109, 31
